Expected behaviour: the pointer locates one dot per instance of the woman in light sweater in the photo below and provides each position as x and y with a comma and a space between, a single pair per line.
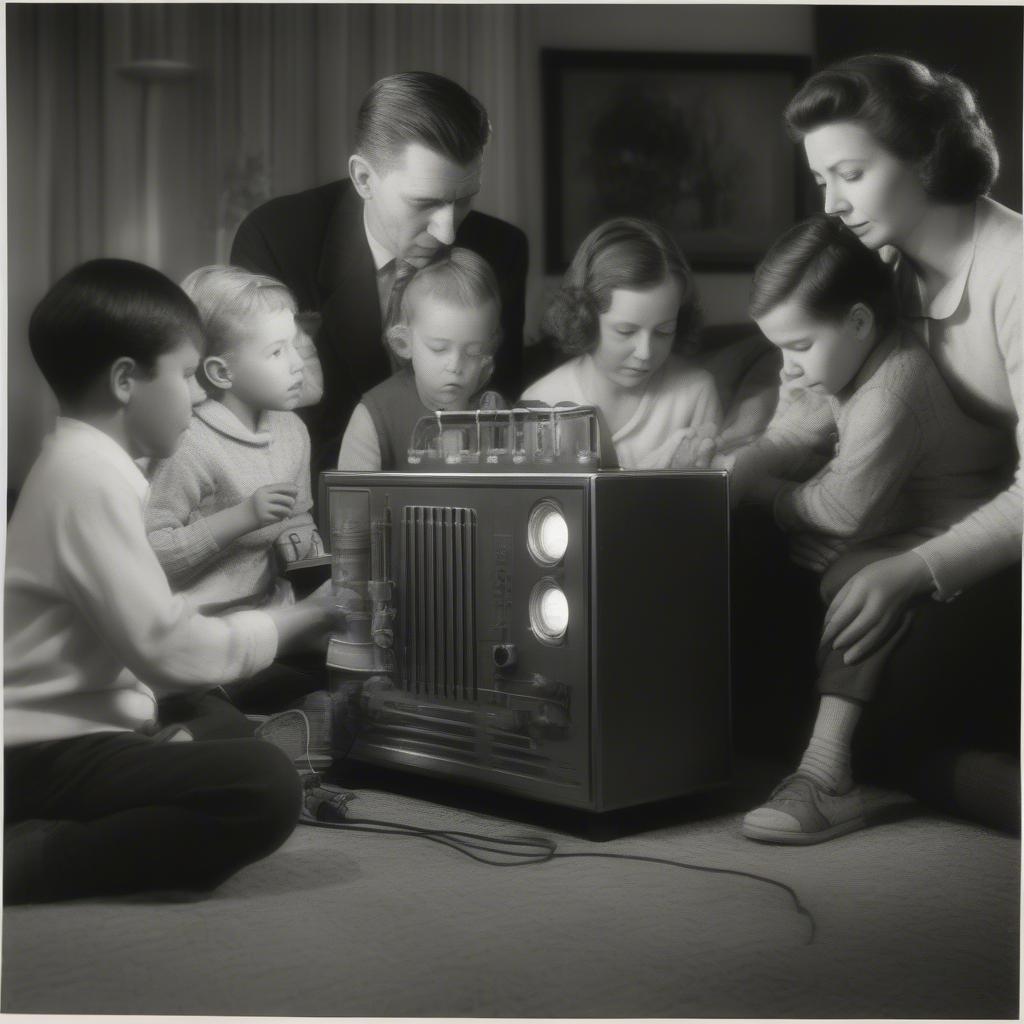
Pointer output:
904, 158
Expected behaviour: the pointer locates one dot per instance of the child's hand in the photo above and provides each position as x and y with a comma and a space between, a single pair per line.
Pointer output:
684, 448
693, 452
272, 503
810, 552
308, 624
723, 460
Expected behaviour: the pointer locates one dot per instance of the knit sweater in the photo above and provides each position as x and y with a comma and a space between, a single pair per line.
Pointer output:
220, 463
972, 329
90, 623
380, 429
906, 461
678, 398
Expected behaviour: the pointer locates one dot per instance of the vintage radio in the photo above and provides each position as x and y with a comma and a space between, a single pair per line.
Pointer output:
522, 620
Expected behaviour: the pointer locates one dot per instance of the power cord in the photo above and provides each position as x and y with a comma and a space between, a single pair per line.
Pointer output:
516, 851
510, 851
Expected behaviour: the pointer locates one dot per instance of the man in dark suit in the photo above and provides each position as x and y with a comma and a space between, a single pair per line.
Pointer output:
345, 249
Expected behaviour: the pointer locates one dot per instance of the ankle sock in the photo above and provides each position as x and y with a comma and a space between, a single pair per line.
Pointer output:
827, 757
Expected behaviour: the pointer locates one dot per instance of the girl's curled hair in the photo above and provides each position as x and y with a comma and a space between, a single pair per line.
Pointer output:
621, 253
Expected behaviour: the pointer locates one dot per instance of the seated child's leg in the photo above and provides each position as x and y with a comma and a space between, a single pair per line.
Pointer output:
119, 812
818, 801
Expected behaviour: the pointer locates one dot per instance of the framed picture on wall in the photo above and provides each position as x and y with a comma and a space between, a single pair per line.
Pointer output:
693, 141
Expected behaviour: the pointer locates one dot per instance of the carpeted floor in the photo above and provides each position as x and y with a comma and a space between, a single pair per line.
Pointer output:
916, 918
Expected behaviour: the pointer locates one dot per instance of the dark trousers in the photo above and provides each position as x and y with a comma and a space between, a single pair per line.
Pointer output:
949, 684
118, 812
859, 681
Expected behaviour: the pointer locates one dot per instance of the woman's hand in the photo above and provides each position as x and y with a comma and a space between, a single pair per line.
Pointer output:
871, 605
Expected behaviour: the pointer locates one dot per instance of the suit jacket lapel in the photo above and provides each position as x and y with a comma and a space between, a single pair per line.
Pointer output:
349, 302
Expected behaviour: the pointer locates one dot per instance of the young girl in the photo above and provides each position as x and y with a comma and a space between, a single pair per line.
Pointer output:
903, 464
627, 306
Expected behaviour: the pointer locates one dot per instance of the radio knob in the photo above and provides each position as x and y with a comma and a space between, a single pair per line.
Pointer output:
504, 655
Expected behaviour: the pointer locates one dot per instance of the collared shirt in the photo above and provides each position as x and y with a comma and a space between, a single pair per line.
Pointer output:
90, 620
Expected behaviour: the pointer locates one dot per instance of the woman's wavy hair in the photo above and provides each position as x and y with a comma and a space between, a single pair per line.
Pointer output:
924, 117
621, 253
822, 265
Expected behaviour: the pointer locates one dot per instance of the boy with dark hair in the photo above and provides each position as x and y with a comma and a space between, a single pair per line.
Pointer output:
347, 249
95, 802
904, 465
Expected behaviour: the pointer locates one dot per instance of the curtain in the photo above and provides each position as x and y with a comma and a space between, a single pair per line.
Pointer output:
147, 131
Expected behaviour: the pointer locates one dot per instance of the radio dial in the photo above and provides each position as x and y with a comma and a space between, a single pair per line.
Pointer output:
504, 655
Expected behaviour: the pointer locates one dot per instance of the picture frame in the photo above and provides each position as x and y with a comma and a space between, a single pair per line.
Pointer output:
693, 141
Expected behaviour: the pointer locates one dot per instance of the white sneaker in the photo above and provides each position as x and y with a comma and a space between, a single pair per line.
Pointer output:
801, 811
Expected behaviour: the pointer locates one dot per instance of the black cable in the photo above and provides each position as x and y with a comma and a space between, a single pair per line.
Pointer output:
799, 907
543, 850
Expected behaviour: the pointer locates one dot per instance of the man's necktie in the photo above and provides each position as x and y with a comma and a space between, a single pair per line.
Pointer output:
403, 271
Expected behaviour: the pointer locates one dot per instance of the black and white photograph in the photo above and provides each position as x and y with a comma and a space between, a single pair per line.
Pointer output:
513, 510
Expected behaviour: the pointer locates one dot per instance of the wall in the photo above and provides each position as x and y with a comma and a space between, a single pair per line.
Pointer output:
982, 45
704, 28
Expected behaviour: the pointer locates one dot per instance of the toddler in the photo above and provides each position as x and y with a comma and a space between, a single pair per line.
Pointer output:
95, 803
445, 337
237, 487
626, 309
900, 464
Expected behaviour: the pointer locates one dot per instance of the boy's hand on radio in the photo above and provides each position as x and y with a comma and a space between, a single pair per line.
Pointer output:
272, 503
308, 624
873, 604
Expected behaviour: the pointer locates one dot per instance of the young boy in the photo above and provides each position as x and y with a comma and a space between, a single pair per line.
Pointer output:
238, 484
95, 804
905, 463
447, 332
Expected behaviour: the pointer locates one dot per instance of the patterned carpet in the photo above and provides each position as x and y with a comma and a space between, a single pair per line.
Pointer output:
916, 918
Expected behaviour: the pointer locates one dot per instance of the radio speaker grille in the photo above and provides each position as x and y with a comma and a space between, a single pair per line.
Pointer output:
439, 601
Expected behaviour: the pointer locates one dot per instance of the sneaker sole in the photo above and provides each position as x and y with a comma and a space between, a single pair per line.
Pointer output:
770, 835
